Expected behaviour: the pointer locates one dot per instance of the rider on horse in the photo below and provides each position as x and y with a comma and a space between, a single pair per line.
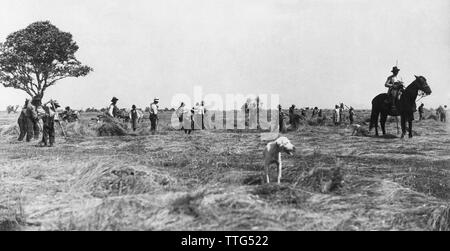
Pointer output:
395, 85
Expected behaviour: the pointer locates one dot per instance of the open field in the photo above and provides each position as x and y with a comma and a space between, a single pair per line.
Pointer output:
212, 180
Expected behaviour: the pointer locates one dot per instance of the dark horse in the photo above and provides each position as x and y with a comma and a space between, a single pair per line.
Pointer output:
405, 107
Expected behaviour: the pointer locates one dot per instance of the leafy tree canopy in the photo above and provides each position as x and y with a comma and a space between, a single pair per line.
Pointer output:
36, 57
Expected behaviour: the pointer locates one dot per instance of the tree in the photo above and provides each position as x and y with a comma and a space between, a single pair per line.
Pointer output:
36, 57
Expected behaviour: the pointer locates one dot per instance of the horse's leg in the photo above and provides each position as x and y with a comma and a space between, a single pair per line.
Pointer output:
383, 123
375, 121
410, 128
398, 129
403, 123
376, 128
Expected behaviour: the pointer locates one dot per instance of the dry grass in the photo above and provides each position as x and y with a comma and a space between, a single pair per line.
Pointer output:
214, 180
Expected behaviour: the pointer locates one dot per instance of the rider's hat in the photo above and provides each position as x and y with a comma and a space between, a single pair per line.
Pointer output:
395, 69
114, 99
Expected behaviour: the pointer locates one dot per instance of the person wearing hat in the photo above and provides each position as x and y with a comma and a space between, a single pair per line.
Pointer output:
351, 115
337, 115
154, 115
49, 118
134, 117
35, 113
112, 109
22, 121
394, 83
291, 114
421, 112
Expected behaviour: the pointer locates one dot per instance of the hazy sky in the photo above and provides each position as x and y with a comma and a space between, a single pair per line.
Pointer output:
310, 52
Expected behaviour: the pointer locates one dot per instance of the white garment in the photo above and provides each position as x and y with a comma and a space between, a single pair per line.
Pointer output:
337, 115
51, 113
153, 109
200, 110
111, 110
392, 80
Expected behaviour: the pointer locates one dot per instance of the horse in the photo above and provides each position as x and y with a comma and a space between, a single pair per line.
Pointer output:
405, 106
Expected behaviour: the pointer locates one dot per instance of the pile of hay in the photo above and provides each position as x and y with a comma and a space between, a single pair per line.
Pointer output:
11, 219
320, 121
77, 129
323, 180
440, 219
114, 179
9, 130
112, 128
433, 117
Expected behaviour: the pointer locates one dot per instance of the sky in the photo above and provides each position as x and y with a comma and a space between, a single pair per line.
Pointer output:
309, 52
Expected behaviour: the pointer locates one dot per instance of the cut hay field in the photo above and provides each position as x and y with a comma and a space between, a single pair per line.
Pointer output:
212, 180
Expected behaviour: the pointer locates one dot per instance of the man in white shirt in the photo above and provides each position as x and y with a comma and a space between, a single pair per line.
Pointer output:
49, 118
337, 115
154, 115
394, 83
112, 109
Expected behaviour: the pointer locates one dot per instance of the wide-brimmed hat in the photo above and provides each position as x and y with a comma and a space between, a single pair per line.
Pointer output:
114, 99
395, 69
156, 99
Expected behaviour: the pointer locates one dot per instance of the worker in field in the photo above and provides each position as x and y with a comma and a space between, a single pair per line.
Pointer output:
315, 112
154, 115
22, 121
49, 117
203, 113
292, 114
35, 113
444, 114
113, 110
351, 115
341, 113
134, 117
421, 110
337, 115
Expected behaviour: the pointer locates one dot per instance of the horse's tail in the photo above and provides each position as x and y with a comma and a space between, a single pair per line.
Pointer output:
373, 117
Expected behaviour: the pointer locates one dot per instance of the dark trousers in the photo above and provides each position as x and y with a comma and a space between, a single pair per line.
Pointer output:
36, 129
134, 124
153, 123
26, 129
22, 121
280, 123
48, 133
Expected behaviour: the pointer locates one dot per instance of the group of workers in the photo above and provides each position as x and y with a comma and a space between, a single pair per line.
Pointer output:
29, 121
113, 111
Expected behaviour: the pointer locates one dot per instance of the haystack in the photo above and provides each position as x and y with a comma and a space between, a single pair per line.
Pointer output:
113, 179
77, 129
433, 117
440, 219
9, 130
112, 128
10, 219
323, 180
